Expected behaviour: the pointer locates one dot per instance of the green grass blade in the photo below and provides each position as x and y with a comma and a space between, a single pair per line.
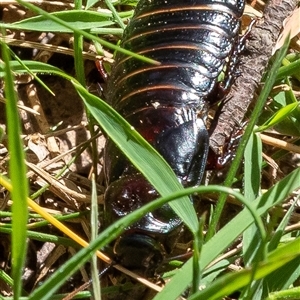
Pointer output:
94, 234
146, 159
104, 30
290, 125
115, 14
286, 275
277, 235
229, 233
252, 178
153, 165
252, 167
282, 278
81, 32
44, 237
234, 281
34, 67
78, 59
280, 115
90, 3
19, 182
293, 293
292, 68
77, 19
6, 279
254, 244
46, 290
15, 57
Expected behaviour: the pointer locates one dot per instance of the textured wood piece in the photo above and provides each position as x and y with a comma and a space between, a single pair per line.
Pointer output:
252, 65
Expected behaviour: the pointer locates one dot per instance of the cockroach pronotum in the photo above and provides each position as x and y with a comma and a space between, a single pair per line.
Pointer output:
194, 40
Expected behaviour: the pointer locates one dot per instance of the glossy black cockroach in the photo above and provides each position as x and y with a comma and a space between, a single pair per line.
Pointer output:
168, 104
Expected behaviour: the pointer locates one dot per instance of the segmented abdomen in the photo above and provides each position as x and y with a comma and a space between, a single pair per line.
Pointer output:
167, 104
191, 39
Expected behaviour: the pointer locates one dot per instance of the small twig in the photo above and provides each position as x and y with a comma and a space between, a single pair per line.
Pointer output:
60, 189
293, 227
280, 143
228, 254
28, 109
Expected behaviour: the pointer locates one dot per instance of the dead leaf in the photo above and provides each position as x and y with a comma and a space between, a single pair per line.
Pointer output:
291, 25
37, 144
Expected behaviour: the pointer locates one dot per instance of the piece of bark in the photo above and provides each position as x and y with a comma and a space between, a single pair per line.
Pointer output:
253, 62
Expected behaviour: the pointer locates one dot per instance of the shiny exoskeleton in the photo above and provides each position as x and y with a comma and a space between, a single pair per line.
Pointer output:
168, 104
